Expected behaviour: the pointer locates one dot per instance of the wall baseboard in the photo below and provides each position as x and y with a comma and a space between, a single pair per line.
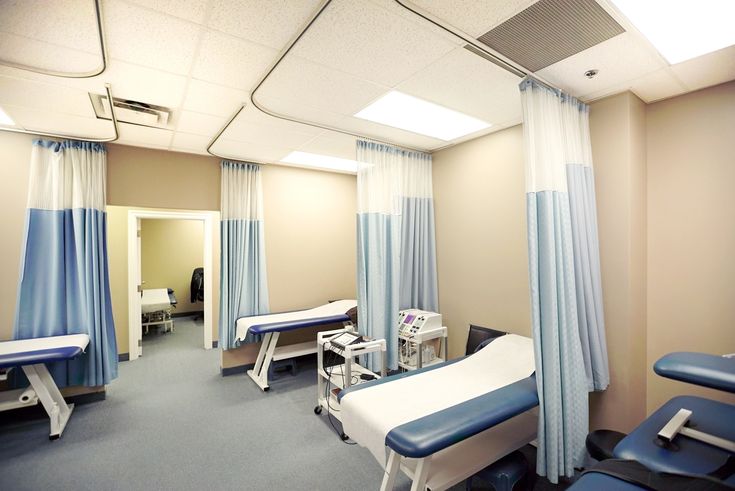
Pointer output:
236, 370
123, 357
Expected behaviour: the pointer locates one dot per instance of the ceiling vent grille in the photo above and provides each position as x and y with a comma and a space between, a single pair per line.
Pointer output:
551, 30
133, 112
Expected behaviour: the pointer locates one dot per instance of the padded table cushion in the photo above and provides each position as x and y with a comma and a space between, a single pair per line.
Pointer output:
594, 481
693, 457
155, 300
41, 350
426, 436
331, 313
716, 372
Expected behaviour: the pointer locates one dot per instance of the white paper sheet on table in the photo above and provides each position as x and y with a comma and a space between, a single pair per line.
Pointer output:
334, 308
368, 415
154, 300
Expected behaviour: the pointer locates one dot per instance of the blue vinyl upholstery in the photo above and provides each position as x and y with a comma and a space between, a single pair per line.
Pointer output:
595, 481
715, 372
39, 356
692, 456
298, 324
426, 436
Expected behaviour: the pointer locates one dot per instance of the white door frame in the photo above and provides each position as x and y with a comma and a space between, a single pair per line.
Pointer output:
134, 313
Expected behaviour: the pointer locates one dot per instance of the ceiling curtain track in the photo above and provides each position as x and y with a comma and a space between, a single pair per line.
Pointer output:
47, 134
486, 54
89, 74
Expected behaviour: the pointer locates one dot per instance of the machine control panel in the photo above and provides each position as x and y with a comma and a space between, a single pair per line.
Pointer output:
414, 321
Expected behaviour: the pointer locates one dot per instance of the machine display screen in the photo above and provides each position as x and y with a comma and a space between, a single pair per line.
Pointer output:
409, 319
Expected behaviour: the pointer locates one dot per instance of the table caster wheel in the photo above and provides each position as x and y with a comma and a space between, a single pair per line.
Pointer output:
318, 410
344, 437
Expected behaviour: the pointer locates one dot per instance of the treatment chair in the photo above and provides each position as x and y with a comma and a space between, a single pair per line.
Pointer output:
689, 441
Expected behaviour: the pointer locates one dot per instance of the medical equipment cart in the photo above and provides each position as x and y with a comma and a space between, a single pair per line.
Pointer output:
413, 353
346, 374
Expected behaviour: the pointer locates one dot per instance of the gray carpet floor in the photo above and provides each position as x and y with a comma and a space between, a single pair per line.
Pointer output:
171, 421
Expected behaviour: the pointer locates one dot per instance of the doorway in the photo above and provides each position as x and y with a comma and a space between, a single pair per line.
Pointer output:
135, 279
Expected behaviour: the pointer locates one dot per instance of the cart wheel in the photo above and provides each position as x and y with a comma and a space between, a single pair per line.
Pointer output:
318, 410
266, 389
344, 437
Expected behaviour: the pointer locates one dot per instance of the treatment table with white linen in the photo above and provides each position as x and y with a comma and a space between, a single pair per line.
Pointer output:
369, 415
271, 325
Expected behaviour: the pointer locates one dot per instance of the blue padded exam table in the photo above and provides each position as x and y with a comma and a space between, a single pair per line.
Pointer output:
444, 423
32, 355
271, 325
688, 434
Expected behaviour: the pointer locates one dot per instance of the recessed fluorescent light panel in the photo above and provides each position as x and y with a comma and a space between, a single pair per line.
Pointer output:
320, 161
683, 30
5, 120
426, 118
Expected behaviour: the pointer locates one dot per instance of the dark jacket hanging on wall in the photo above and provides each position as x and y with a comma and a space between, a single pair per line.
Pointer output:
197, 285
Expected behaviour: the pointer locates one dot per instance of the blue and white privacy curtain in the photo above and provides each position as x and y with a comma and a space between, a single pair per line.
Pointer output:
64, 285
564, 271
243, 281
396, 256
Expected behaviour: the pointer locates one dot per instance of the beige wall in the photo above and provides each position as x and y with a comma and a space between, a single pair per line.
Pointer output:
618, 146
15, 155
691, 232
480, 213
160, 179
170, 251
310, 244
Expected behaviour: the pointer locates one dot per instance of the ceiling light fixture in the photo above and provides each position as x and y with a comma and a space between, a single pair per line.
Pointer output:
682, 30
324, 162
5, 120
410, 113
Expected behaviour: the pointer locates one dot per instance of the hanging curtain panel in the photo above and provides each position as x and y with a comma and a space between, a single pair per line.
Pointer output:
396, 257
243, 281
64, 285
564, 273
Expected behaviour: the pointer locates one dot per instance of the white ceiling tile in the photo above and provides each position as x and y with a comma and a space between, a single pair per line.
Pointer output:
44, 96
367, 41
707, 70
144, 136
54, 122
143, 84
490, 94
620, 59
139, 35
230, 61
255, 116
249, 151
191, 10
272, 23
473, 17
187, 142
314, 85
298, 110
40, 54
332, 144
71, 23
208, 98
657, 85
274, 134
200, 124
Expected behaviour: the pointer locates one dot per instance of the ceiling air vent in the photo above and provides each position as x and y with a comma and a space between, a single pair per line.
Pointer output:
133, 112
551, 30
